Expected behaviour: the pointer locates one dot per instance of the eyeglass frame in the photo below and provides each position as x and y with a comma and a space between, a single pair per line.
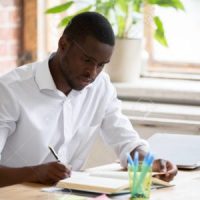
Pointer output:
90, 58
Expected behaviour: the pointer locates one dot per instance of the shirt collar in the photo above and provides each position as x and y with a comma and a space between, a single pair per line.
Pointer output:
45, 80
43, 76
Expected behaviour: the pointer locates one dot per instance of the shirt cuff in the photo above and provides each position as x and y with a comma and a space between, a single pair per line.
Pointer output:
143, 145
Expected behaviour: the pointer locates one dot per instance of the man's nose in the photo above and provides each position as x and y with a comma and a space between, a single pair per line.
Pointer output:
92, 69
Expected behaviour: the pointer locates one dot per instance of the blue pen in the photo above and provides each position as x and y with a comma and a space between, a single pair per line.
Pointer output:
130, 160
145, 161
135, 170
130, 174
145, 168
130, 168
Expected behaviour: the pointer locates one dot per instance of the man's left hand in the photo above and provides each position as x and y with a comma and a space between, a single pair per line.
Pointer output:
170, 170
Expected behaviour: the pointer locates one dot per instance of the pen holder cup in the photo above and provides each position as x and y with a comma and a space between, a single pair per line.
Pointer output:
140, 182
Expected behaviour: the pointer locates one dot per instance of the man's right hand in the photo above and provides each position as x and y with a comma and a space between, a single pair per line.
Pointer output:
50, 173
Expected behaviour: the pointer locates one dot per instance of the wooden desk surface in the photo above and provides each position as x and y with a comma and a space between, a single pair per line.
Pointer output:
187, 187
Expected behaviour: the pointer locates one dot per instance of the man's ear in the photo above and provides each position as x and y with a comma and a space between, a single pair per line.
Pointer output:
63, 43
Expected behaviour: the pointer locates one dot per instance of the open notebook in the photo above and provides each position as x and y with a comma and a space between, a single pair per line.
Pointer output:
83, 181
102, 181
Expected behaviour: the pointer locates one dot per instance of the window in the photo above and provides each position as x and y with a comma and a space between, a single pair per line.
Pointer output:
179, 60
182, 32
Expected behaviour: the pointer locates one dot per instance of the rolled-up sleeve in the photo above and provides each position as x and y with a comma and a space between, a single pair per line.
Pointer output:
117, 130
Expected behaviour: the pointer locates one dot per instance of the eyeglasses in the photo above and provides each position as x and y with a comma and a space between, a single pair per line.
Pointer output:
88, 59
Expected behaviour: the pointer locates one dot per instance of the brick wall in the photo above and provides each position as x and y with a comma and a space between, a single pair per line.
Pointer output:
10, 34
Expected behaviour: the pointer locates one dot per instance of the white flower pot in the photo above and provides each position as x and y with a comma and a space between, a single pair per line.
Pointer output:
125, 64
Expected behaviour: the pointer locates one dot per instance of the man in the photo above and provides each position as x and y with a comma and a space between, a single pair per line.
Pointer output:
64, 102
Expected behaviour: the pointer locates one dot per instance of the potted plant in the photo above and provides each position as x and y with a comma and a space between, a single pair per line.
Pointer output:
124, 16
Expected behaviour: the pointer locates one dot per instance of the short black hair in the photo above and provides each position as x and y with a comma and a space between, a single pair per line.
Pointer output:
90, 24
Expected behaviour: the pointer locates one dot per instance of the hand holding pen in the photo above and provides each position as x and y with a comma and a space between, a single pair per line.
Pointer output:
170, 170
50, 173
57, 158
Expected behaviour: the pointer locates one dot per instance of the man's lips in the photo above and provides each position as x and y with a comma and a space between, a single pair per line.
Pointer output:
86, 80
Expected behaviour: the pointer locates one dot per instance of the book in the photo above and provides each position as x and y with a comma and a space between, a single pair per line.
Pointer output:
83, 181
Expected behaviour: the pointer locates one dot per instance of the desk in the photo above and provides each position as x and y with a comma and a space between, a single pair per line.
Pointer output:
187, 187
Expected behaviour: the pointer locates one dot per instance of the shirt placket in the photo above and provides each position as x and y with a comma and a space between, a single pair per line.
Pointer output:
64, 152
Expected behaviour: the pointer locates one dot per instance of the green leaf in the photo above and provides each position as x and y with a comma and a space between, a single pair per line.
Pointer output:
59, 8
65, 21
159, 33
105, 7
121, 26
177, 4
137, 5
123, 5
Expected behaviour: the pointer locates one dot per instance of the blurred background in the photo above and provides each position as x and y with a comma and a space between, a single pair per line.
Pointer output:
162, 95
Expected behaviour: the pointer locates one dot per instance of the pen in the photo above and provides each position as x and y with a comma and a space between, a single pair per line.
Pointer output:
132, 170
130, 160
135, 170
54, 153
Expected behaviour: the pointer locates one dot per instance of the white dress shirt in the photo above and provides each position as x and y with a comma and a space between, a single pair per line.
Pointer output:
35, 114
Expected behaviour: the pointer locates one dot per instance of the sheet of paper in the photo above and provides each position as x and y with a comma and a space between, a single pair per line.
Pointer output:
52, 189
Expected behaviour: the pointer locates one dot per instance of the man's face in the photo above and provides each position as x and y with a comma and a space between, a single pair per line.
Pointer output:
81, 62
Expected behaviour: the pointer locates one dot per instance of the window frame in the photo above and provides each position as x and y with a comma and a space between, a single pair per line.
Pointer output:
164, 69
